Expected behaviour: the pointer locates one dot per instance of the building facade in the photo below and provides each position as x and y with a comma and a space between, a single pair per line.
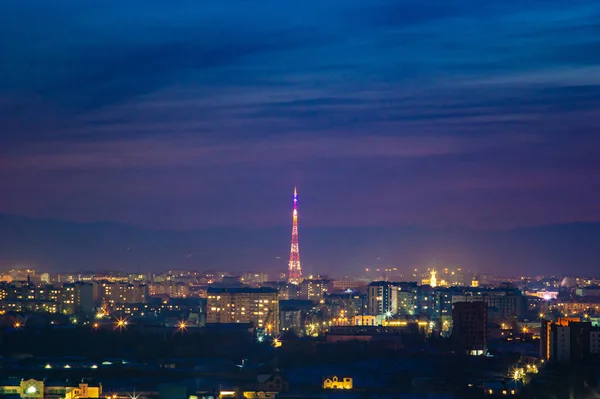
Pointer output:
501, 303
37, 389
568, 340
170, 289
469, 331
259, 306
382, 298
314, 289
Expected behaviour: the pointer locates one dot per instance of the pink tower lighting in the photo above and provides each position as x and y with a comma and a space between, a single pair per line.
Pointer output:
294, 268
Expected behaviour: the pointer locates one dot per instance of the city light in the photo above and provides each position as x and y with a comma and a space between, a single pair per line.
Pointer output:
312, 330
17, 324
518, 374
121, 323
532, 368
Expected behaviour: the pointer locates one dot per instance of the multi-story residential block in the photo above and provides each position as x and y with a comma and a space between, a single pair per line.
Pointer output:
502, 303
579, 306
77, 298
259, 306
469, 331
382, 298
313, 289
348, 304
112, 293
35, 306
568, 340
170, 289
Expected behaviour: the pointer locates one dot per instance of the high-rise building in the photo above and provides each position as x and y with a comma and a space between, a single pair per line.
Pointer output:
502, 303
77, 298
348, 304
170, 289
314, 289
259, 306
568, 340
469, 331
294, 268
382, 298
112, 293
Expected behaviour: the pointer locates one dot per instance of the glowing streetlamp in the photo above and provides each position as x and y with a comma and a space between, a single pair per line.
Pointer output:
121, 324
518, 374
182, 326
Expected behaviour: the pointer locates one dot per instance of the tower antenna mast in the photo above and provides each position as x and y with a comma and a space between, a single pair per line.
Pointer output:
294, 268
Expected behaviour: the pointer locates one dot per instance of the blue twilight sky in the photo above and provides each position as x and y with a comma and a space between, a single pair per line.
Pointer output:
193, 114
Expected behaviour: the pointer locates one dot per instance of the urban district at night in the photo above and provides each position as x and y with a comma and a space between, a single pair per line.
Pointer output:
358, 199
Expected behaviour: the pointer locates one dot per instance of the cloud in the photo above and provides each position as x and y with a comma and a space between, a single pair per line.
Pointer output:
451, 109
195, 152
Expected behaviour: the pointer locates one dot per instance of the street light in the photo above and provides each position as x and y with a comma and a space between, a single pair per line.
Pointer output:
182, 326
121, 324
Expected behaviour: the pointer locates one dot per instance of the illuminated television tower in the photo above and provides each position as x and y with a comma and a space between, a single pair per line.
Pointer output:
294, 269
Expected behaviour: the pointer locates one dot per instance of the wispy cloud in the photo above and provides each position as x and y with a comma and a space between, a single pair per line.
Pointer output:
457, 101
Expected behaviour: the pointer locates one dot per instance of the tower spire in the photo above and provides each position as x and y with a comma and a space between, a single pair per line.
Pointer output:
294, 268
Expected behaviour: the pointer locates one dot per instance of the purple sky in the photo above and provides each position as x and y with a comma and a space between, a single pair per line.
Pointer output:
384, 113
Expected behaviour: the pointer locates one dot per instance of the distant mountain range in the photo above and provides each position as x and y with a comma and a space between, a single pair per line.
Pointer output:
58, 245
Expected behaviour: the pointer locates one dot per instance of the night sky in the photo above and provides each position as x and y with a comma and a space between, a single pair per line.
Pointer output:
201, 114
